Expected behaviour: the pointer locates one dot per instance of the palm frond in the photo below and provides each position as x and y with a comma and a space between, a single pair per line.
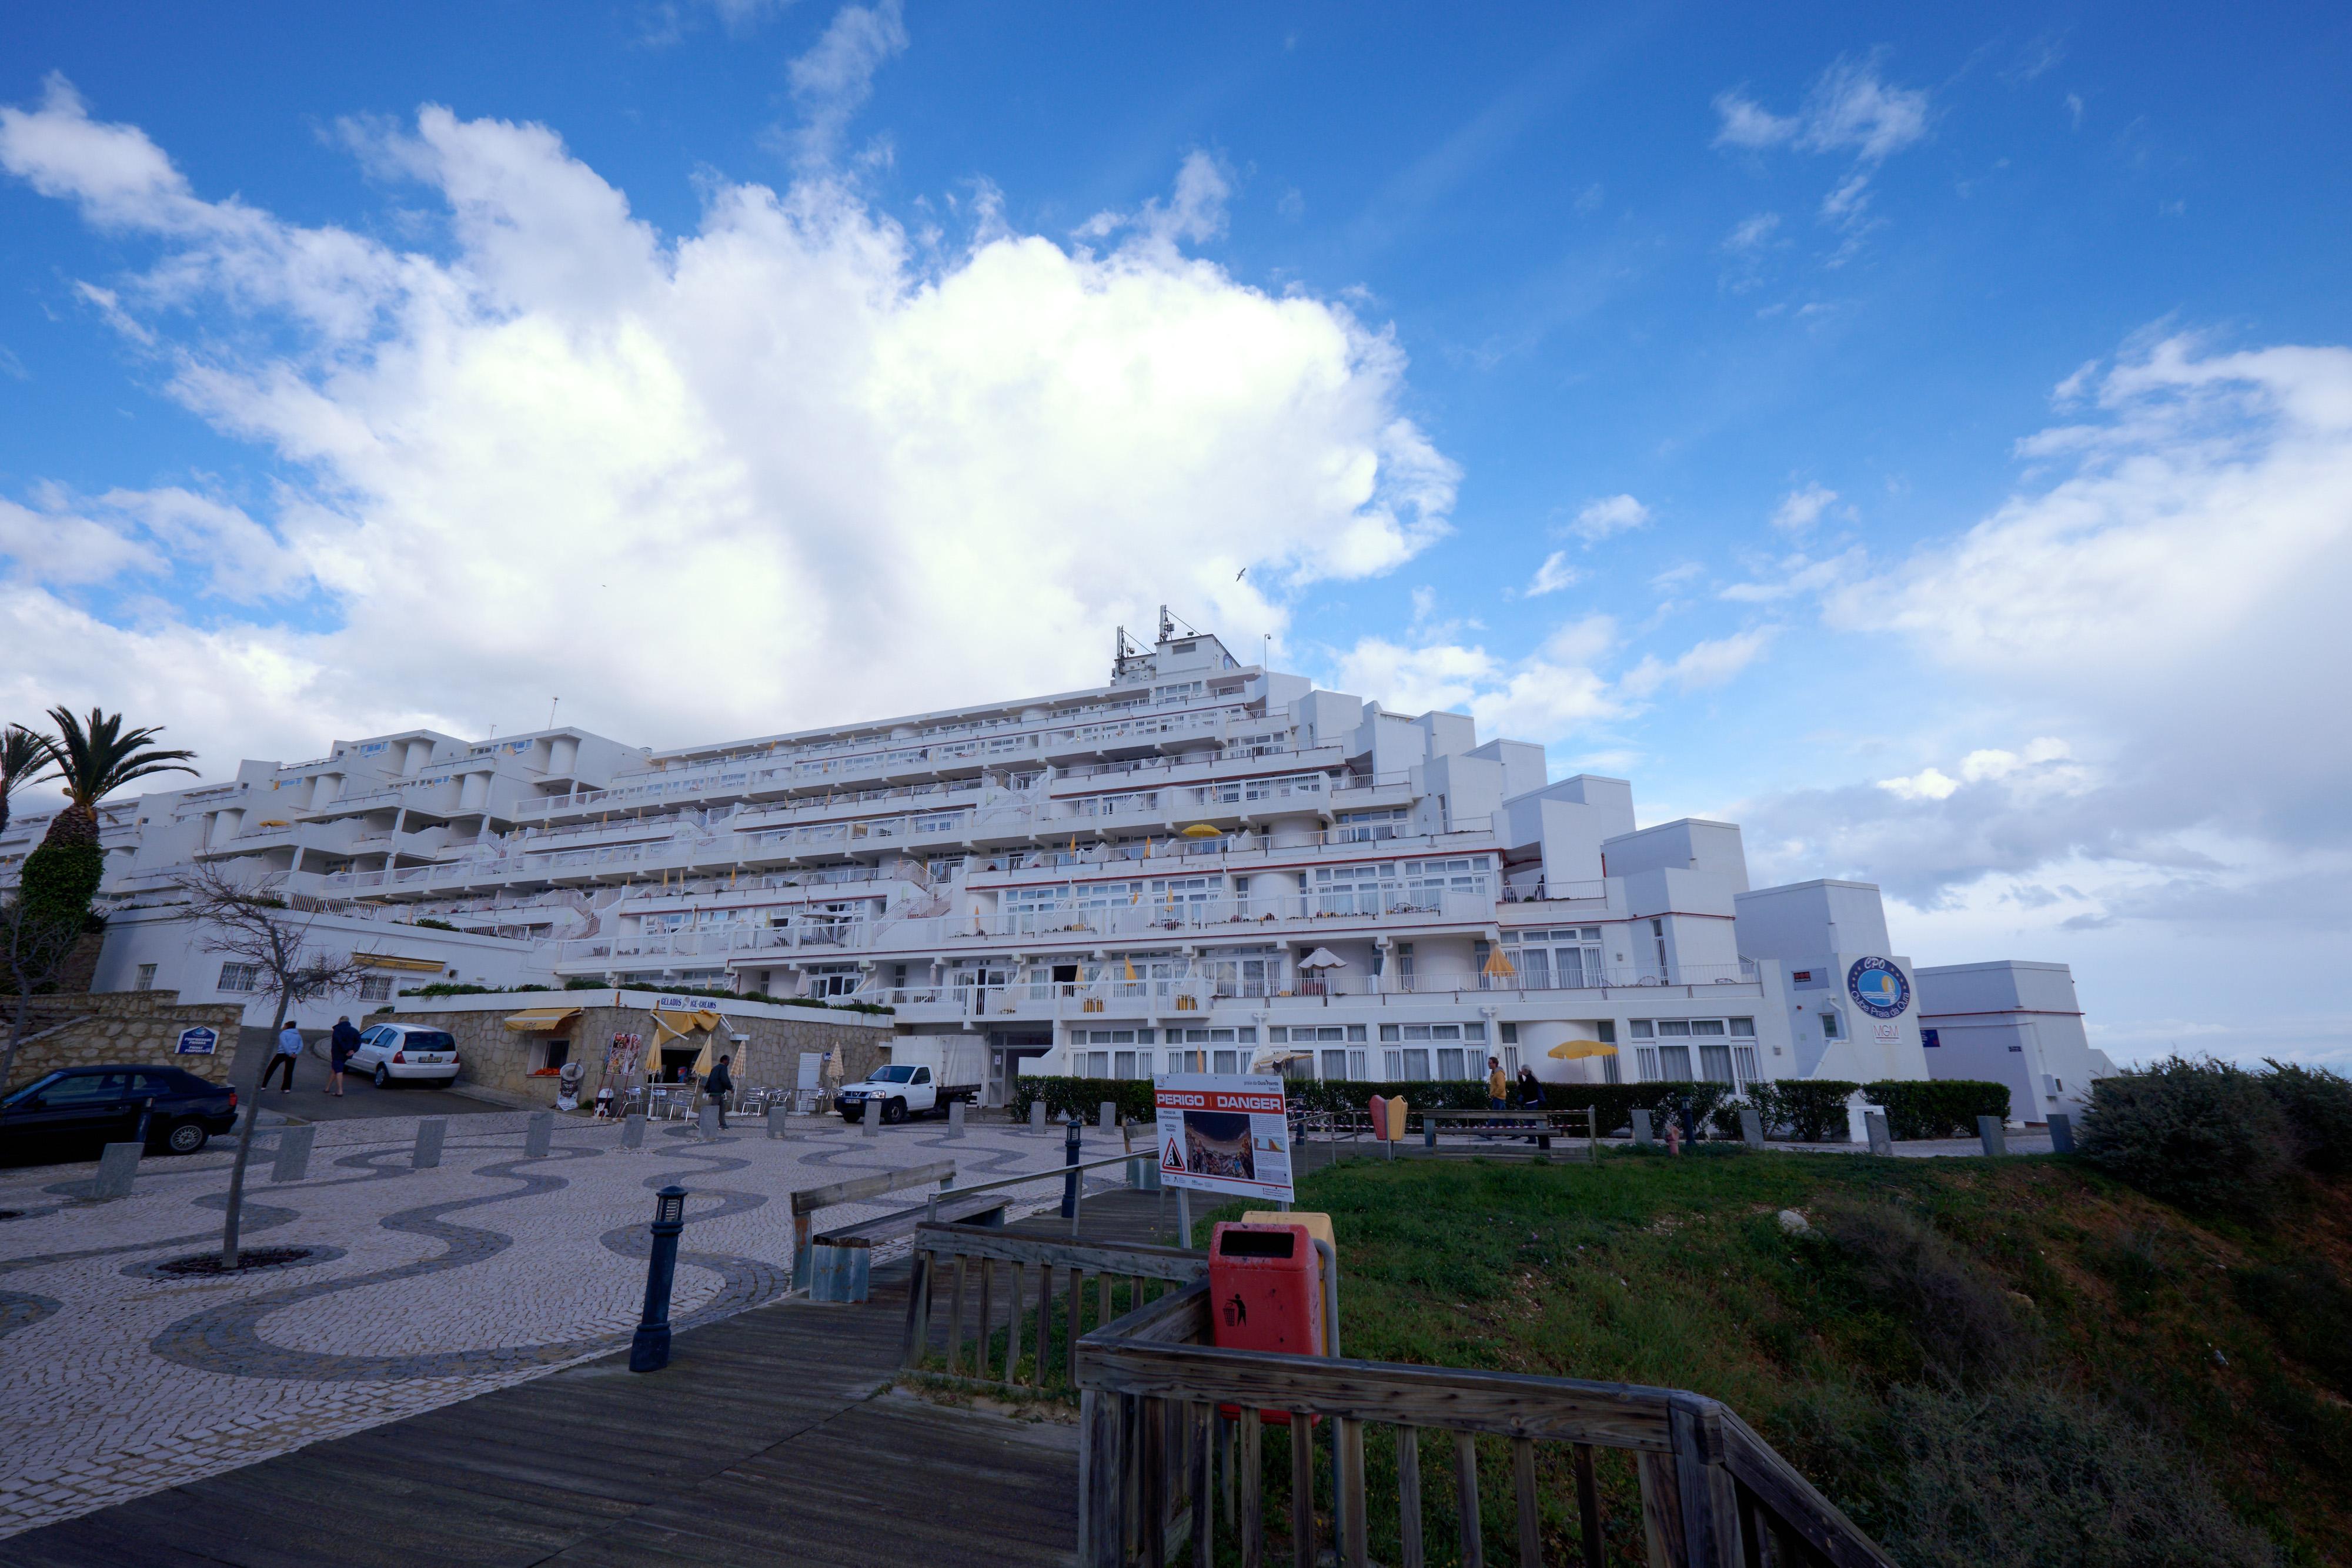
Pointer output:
97, 757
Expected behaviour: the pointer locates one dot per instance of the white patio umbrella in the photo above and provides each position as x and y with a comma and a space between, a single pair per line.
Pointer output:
1322, 959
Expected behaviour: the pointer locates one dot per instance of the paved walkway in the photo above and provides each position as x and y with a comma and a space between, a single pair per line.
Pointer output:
425, 1287
772, 1438
310, 1101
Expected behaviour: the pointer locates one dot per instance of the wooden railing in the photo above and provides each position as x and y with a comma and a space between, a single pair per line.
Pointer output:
953, 1260
1159, 1464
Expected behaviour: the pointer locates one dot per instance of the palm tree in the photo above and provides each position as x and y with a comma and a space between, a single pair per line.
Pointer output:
24, 757
95, 758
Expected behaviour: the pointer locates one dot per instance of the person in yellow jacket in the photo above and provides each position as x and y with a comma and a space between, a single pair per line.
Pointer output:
1498, 1085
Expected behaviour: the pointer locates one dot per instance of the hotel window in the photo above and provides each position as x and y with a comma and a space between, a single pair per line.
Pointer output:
1715, 1064
1092, 1064
1449, 1064
146, 978
1473, 1031
1510, 1034
240, 977
1743, 1061
1648, 1055
1225, 1061
1359, 1064
1605, 1031
1416, 1064
1334, 1064
1187, 1062
1277, 1035
1511, 1060
375, 988
1830, 1028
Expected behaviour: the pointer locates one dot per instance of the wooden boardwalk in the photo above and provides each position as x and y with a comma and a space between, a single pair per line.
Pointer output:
765, 1441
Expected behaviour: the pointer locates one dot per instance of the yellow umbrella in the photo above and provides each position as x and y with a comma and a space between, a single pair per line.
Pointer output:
1129, 965
1499, 967
1202, 830
1578, 1050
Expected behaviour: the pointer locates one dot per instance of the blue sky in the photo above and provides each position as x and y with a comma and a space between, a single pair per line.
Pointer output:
1926, 441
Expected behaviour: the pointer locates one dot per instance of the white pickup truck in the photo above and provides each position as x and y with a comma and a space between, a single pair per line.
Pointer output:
904, 1091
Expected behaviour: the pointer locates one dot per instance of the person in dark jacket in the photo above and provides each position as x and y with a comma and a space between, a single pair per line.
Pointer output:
343, 1041
717, 1087
1530, 1091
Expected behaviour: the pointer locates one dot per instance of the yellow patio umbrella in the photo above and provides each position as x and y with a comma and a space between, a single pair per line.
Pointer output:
1578, 1050
1128, 963
1202, 830
1499, 967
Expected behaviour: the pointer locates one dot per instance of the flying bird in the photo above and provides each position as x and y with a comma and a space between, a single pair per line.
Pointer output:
1242, 573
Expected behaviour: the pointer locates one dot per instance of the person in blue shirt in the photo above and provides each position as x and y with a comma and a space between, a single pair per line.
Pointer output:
289, 1052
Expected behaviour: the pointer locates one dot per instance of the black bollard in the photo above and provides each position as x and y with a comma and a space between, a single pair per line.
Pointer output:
1070, 1157
649, 1351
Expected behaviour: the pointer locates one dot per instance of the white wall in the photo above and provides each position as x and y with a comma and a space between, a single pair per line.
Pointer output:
1807, 920
1689, 844
157, 937
2011, 1023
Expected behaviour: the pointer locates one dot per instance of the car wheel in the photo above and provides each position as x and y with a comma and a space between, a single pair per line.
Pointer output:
382, 1076
895, 1111
186, 1137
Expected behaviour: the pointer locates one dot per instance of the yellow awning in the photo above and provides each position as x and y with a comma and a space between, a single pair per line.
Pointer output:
1576, 1050
683, 1023
539, 1020
394, 961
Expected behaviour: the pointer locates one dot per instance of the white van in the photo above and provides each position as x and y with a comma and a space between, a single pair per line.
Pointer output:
405, 1051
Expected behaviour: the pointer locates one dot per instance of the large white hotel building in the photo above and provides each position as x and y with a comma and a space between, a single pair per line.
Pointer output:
1200, 863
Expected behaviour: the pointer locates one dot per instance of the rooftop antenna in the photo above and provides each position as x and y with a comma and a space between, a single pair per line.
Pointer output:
551, 711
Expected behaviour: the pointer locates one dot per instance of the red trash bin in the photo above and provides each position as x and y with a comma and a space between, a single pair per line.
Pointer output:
1266, 1293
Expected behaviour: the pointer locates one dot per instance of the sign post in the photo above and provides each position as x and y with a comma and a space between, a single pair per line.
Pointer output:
1223, 1133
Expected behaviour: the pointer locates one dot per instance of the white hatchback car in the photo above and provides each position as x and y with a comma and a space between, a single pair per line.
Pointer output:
403, 1050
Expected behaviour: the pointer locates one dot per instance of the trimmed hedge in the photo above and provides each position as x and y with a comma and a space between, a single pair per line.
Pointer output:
1809, 1110
1615, 1101
1937, 1107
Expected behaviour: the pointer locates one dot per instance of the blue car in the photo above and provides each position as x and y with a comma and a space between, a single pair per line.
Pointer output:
74, 1112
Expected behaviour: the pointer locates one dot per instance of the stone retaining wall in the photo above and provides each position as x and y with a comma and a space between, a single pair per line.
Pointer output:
496, 1058
100, 1028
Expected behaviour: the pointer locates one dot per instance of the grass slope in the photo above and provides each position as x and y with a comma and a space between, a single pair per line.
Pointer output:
2012, 1362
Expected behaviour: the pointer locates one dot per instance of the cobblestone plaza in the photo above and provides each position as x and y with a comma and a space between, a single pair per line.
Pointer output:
423, 1286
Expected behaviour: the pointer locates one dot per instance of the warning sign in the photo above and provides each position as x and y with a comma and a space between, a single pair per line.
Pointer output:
1224, 1133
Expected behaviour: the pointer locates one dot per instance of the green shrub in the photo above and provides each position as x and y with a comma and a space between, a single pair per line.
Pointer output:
1083, 1095
429, 924
2023, 1475
56, 884
2203, 1134
2317, 1105
581, 983
1811, 1110
1936, 1107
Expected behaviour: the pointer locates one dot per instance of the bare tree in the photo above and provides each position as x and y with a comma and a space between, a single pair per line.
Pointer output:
249, 923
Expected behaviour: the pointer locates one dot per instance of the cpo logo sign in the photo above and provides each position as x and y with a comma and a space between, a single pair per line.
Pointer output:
1878, 988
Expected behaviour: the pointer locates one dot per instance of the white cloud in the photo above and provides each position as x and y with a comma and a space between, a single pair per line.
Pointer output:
1553, 575
1709, 663
1551, 694
1801, 509
1596, 521
1752, 234
1194, 215
1849, 109
573, 455
834, 79
1747, 124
